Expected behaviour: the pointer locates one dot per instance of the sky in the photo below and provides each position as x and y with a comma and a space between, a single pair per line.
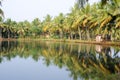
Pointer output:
20, 10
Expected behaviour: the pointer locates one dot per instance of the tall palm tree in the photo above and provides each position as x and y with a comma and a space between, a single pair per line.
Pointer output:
68, 26
36, 26
1, 15
1, 11
59, 23
46, 25
8, 30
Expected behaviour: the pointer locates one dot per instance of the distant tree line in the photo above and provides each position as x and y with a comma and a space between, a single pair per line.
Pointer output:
82, 23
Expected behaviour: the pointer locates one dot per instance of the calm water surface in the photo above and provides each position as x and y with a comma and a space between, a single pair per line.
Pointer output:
58, 61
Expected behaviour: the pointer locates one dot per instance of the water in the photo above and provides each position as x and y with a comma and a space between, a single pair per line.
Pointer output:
58, 61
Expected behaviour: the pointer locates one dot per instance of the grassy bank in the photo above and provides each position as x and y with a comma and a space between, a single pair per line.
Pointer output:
74, 41
111, 43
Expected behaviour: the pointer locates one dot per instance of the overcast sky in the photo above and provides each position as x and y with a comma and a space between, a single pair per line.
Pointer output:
20, 10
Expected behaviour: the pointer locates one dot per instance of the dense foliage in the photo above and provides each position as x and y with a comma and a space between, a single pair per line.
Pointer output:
81, 23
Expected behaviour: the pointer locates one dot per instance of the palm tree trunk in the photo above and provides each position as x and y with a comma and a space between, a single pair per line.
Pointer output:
61, 33
0, 45
79, 32
8, 34
71, 35
88, 34
0, 33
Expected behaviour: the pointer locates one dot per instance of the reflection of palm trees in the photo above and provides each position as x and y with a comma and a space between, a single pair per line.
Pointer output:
106, 59
82, 62
103, 49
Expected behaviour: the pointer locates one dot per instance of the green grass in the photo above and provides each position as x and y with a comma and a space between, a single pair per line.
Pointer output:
74, 41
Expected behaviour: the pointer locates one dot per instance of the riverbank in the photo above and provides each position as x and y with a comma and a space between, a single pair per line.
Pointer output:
111, 43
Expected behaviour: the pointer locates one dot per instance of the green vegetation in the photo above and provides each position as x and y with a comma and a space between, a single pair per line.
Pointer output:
84, 61
1, 11
81, 23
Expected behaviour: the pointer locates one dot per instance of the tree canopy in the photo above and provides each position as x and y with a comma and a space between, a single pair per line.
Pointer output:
81, 23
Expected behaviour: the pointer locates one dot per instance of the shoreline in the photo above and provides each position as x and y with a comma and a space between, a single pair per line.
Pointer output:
110, 43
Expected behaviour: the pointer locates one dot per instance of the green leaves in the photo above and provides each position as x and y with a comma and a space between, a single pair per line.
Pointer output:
1, 11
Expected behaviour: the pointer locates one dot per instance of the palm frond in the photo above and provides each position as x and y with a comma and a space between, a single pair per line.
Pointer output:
105, 21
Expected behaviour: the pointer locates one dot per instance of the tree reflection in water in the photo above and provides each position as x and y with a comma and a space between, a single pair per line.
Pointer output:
84, 61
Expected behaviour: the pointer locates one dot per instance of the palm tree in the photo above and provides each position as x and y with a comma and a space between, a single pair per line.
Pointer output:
27, 28
1, 11
8, 22
81, 22
59, 23
108, 17
36, 27
1, 27
68, 26
1, 15
46, 25
20, 30
75, 17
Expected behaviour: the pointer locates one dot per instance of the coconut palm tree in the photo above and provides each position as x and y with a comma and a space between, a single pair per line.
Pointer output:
68, 26
46, 25
108, 16
81, 21
1, 27
59, 23
1, 11
36, 27
1, 15
75, 15
8, 22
